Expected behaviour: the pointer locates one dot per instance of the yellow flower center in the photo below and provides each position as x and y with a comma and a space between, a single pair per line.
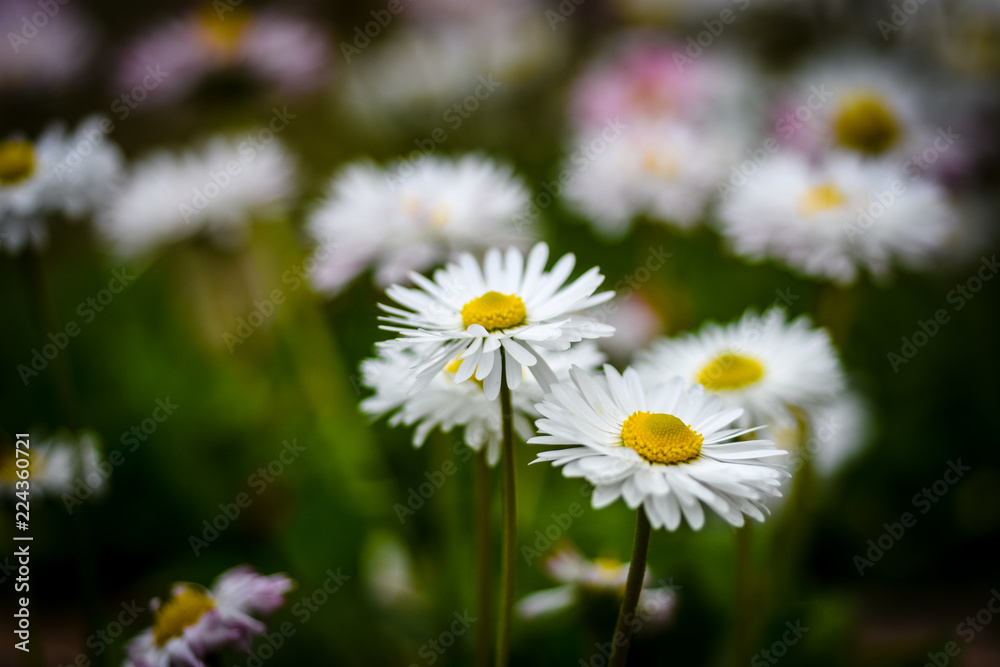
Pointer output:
17, 161
661, 438
452, 368
821, 198
662, 165
494, 311
223, 33
730, 371
865, 123
181, 611
9, 467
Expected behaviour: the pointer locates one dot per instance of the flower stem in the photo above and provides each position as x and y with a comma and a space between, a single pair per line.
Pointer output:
509, 520
633, 588
744, 595
484, 564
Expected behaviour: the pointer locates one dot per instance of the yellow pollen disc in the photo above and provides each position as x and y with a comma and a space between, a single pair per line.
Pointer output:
661, 438
494, 311
730, 371
181, 611
223, 33
9, 467
17, 161
440, 215
452, 368
864, 122
821, 198
664, 166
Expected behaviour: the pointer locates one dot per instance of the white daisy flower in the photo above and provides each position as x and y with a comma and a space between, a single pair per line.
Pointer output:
508, 305
216, 188
831, 219
66, 174
196, 621
408, 217
837, 432
445, 403
664, 447
761, 363
580, 577
666, 170
56, 465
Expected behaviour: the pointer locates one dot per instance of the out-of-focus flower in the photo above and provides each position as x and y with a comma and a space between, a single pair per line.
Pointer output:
761, 363
49, 52
408, 217
216, 188
473, 313
666, 170
665, 447
195, 621
636, 323
648, 80
831, 219
837, 430
604, 577
445, 403
283, 54
389, 573
56, 466
65, 174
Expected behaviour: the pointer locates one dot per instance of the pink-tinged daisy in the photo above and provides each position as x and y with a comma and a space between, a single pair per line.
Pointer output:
472, 313
665, 448
196, 621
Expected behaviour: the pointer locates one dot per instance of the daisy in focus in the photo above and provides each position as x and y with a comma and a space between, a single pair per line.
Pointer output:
407, 217
580, 579
665, 448
195, 622
834, 218
216, 189
492, 317
666, 170
286, 55
67, 174
761, 364
445, 404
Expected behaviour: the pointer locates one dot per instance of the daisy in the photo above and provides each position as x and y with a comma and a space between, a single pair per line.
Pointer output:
662, 447
666, 170
507, 306
195, 621
837, 431
580, 578
52, 57
831, 219
286, 55
408, 217
216, 188
445, 403
68, 174
56, 466
761, 364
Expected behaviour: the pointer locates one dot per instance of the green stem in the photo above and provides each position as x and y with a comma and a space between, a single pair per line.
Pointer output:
744, 594
509, 519
633, 588
484, 564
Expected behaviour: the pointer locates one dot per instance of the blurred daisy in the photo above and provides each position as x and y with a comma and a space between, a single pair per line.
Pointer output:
837, 431
667, 171
445, 403
663, 447
581, 578
289, 56
389, 572
60, 173
761, 364
56, 466
195, 621
636, 323
54, 54
831, 219
217, 188
647, 80
473, 313
409, 217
